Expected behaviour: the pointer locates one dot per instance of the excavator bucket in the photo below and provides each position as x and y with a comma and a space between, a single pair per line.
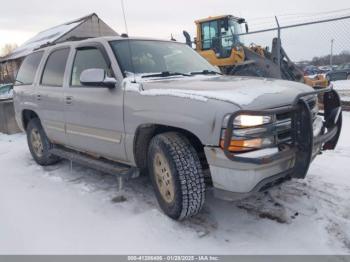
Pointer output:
289, 70
269, 65
256, 65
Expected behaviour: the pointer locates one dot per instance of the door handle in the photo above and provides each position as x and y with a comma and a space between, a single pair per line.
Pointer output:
69, 100
38, 97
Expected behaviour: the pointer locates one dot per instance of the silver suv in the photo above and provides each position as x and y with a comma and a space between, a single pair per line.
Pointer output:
131, 105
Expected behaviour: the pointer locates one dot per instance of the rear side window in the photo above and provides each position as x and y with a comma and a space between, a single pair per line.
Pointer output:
88, 58
53, 74
27, 71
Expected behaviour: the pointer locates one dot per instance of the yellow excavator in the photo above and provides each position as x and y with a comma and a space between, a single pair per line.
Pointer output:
219, 41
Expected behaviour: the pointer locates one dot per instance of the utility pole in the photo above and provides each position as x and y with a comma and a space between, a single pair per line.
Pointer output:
331, 58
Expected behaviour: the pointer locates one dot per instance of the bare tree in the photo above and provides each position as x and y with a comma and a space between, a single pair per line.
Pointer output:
8, 69
7, 49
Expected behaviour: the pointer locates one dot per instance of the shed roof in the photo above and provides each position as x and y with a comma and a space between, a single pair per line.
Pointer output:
63, 33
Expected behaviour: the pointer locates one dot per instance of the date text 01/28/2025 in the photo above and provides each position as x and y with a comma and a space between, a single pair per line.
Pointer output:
173, 258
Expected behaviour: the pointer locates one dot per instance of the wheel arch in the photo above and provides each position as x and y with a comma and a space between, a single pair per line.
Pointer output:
146, 132
28, 115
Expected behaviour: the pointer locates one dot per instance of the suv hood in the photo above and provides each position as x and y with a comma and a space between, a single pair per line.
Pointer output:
246, 92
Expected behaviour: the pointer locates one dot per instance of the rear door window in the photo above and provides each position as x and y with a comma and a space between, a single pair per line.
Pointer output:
27, 71
55, 67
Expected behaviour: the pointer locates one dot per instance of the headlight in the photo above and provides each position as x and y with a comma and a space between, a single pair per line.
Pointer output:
249, 121
246, 133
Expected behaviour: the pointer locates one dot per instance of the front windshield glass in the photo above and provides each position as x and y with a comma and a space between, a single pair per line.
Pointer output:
230, 34
150, 56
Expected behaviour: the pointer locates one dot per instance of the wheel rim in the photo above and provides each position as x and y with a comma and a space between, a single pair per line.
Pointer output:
37, 143
164, 178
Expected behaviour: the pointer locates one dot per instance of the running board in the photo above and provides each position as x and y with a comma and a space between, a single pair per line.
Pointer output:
100, 164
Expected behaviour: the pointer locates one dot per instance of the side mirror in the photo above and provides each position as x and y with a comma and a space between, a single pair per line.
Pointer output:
188, 38
97, 77
195, 42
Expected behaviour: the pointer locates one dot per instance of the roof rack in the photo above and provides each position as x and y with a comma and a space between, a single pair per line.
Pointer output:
70, 39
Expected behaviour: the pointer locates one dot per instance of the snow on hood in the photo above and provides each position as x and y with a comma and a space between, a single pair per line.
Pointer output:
237, 90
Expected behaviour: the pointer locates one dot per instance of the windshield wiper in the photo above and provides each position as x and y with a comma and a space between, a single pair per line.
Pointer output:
166, 74
206, 72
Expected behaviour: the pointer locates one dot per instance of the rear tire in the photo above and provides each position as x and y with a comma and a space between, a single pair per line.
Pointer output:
176, 175
39, 145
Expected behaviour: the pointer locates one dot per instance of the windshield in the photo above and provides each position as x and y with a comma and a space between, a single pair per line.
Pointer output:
230, 34
150, 56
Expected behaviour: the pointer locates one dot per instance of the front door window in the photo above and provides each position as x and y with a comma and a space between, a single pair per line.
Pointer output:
88, 58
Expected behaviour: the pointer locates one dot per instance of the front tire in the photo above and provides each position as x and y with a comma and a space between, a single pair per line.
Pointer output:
176, 175
39, 145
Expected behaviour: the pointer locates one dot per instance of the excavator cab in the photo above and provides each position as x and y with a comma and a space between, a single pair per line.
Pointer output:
218, 39
219, 34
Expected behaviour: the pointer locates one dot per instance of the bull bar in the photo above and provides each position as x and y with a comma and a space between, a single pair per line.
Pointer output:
302, 139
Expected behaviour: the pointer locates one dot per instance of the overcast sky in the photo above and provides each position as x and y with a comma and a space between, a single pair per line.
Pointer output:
20, 20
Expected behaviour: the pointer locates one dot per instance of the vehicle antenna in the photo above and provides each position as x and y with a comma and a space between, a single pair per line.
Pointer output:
128, 39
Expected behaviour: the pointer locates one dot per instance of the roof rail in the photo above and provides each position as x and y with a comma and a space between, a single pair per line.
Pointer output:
71, 39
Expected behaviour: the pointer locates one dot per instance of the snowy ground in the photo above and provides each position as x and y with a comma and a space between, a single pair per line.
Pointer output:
57, 211
343, 88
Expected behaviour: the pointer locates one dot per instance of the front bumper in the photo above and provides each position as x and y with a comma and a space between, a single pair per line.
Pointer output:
235, 176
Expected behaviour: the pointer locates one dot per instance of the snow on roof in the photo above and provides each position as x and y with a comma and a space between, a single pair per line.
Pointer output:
46, 37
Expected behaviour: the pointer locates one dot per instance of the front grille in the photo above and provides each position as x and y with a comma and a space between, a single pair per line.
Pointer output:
283, 116
283, 130
284, 135
312, 103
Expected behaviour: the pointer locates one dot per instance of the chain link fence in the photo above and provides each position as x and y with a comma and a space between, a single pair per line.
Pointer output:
313, 40
318, 44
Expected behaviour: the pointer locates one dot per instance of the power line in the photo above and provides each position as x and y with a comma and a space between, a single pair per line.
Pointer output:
300, 14
295, 20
